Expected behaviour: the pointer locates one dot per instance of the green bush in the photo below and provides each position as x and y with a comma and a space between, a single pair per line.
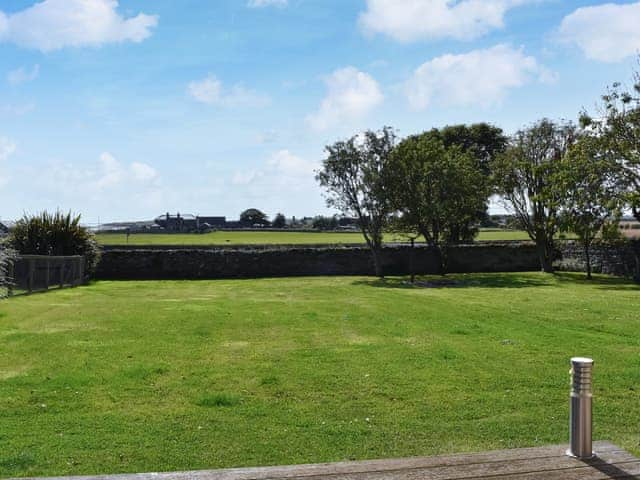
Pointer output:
6, 257
55, 234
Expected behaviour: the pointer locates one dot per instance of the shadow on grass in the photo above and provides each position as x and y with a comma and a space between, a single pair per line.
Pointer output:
602, 282
501, 280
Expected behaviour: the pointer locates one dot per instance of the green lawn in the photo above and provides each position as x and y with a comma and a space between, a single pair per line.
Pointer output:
273, 238
147, 376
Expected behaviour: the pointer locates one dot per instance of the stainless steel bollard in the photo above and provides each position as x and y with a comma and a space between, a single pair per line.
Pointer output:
581, 408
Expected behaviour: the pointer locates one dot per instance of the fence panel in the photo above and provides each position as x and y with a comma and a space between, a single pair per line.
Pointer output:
37, 273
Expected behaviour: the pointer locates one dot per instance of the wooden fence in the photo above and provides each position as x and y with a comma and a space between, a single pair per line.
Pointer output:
36, 273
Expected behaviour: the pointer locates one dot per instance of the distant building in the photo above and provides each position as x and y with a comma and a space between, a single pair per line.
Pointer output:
211, 222
630, 227
189, 223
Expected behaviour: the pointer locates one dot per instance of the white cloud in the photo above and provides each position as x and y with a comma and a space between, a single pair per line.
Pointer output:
212, 92
246, 177
17, 110
266, 3
282, 170
351, 95
54, 24
22, 75
7, 148
143, 172
480, 77
286, 163
411, 20
112, 173
608, 32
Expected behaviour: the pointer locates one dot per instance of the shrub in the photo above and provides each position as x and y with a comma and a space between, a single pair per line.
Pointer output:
6, 257
55, 234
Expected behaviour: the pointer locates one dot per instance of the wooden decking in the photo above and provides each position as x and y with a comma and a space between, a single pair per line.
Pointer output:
522, 464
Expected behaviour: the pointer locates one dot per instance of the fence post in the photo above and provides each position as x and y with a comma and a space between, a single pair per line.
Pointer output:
581, 418
31, 270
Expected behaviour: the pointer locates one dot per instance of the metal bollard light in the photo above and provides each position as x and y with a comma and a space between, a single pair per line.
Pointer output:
581, 408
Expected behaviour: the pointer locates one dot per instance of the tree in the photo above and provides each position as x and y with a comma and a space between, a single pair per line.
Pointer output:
354, 175
484, 142
279, 221
325, 223
434, 189
55, 234
594, 193
525, 175
617, 126
253, 217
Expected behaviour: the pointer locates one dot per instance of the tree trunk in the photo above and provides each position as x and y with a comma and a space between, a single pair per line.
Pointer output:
545, 254
377, 261
587, 256
411, 259
635, 246
442, 263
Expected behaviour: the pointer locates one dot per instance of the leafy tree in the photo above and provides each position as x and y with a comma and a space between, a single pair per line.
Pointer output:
617, 125
279, 221
325, 223
354, 175
253, 216
484, 142
55, 234
435, 189
594, 193
526, 176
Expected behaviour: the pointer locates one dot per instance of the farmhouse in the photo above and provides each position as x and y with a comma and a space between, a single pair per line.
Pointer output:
630, 227
188, 222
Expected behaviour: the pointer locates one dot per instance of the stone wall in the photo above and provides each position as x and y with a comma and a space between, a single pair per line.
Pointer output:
202, 263
620, 259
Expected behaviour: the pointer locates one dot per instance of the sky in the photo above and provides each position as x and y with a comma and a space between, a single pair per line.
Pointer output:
124, 110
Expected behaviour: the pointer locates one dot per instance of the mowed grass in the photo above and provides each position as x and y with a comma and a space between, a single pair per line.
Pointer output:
148, 376
274, 238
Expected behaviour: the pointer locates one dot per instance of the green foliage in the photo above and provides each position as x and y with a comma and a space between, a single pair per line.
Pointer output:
279, 221
594, 192
617, 126
292, 369
325, 223
483, 142
435, 189
354, 176
55, 234
7, 255
526, 175
253, 216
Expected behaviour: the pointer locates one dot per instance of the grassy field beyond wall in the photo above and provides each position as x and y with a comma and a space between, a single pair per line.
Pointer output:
275, 238
179, 375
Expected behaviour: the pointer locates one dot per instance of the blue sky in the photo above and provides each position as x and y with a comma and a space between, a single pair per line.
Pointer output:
124, 110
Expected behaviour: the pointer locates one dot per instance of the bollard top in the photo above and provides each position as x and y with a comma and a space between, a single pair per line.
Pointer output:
582, 360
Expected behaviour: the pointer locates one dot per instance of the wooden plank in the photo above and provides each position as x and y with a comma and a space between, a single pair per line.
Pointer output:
503, 468
624, 471
498, 464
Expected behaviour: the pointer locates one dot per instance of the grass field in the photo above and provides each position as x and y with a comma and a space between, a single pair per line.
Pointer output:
274, 238
148, 376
